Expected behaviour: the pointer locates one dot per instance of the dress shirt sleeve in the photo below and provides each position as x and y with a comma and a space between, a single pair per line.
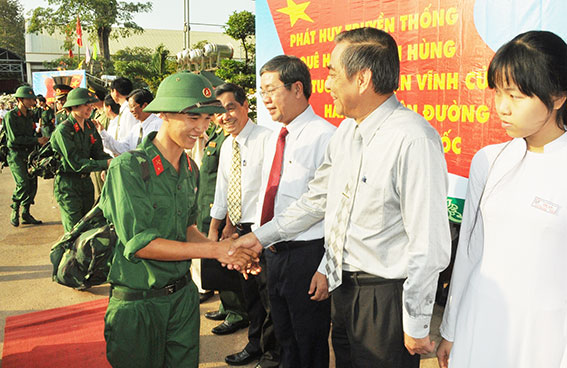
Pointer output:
422, 187
303, 213
124, 202
220, 206
62, 142
471, 244
97, 150
111, 144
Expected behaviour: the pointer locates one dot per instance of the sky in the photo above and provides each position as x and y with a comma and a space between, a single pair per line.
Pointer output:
168, 14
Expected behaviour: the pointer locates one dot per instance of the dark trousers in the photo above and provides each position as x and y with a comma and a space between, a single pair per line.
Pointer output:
261, 335
367, 325
302, 325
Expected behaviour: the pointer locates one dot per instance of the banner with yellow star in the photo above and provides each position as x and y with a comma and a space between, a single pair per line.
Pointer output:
444, 48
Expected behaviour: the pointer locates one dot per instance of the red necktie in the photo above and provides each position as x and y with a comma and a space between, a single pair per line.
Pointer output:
274, 179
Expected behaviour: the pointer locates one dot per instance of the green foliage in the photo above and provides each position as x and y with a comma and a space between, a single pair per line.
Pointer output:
244, 75
144, 67
242, 26
12, 27
98, 17
64, 63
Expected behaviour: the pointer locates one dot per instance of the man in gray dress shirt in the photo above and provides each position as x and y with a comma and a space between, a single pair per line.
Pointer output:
382, 191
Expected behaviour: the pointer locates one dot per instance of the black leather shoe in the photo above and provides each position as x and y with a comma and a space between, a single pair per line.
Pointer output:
226, 328
203, 297
215, 315
242, 358
27, 218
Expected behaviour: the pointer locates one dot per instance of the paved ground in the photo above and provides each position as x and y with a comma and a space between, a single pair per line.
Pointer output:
25, 276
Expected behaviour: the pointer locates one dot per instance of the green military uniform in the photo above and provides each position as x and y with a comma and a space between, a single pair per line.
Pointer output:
152, 318
81, 153
21, 138
61, 116
232, 303
164, 208
47, 121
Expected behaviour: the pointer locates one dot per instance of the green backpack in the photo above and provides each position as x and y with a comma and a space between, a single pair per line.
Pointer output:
44, 162
82, 257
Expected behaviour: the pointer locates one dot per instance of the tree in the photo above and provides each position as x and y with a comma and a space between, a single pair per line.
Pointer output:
242, 26
144, 67
97, 18
12, 27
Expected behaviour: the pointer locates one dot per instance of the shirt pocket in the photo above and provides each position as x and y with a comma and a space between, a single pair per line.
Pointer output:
368, 210
294, 181
163, 209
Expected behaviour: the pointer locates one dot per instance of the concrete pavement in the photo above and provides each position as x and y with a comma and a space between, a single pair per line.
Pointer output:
25, 276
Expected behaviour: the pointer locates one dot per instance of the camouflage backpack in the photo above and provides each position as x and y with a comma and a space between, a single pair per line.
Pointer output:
82, 257
43, 162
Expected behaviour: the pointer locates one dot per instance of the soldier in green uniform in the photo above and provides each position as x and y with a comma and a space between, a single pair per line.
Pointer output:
47, 117
80, 147
22, 138
232, 308
61, 92
152, 318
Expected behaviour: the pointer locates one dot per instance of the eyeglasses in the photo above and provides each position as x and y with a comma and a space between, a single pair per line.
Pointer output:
270, 92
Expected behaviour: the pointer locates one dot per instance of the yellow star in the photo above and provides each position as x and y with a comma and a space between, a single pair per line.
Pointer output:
296, 11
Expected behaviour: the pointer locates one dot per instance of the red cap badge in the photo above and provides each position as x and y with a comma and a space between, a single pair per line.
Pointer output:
207, 92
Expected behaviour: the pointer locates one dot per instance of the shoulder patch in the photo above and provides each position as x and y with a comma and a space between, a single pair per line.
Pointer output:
158, 166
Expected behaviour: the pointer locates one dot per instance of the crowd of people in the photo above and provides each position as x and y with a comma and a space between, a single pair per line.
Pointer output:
322, 226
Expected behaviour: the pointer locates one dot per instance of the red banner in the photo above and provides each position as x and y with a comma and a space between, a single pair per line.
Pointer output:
443, 62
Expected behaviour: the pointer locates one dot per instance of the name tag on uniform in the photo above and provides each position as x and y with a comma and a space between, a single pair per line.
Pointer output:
546, 206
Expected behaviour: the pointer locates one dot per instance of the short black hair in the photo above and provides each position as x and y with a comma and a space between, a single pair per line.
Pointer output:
290, 69
40, 98
141, 96
100, 94
114, 107
536, 62
239, 94
122, 85
373, 49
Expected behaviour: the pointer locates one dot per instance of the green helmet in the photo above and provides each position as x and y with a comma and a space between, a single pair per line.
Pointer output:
80, 96
185, 92
24, 92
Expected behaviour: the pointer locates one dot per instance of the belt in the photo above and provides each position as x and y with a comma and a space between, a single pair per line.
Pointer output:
290, 245
75, 175
131, 295
360, 278
243, 228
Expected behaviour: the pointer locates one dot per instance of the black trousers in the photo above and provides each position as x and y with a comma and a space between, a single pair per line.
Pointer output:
261, 335
302, 325
367, 325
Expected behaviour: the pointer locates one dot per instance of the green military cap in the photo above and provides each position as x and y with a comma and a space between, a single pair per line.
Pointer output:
24, 92
185, 92
80, 96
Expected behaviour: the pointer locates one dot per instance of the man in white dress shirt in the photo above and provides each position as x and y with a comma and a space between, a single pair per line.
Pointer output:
291, 158
120, 88
382, 191
147, 122
236, 198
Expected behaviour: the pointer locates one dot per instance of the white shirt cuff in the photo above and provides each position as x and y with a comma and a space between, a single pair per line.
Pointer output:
416, 327
267, 234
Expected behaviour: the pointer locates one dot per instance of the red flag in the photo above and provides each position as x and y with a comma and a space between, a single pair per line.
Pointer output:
79, 33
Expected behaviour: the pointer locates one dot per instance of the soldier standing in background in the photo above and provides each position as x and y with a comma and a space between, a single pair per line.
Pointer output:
22, 138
